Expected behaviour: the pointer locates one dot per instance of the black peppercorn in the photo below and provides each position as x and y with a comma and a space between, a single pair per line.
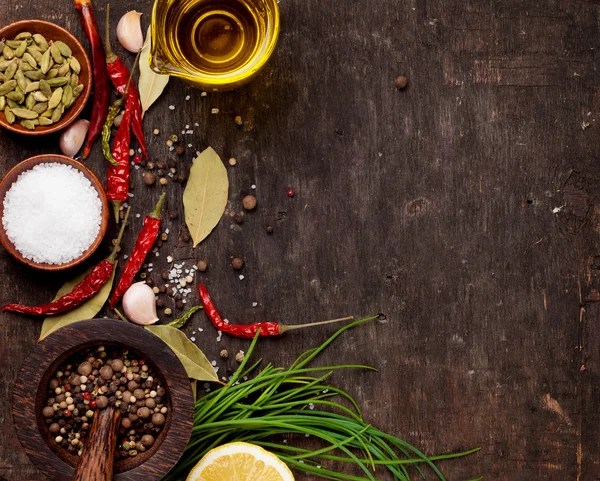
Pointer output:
172, 215
160, 303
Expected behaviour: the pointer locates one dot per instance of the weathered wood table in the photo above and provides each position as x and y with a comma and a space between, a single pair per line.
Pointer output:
465, 208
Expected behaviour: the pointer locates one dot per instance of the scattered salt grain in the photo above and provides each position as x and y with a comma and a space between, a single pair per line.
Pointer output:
171, 107
52, 213
254, 304
193, 339
214, 363
241, 277
187, 97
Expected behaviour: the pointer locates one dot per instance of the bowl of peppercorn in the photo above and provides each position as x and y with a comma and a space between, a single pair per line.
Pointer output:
108, 393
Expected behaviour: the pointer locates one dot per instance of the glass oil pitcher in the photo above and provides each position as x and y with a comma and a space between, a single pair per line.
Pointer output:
214, 45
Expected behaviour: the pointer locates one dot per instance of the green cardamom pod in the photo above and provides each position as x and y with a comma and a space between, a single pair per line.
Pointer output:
65, 70
75, 65
10, 72
30, 60
25, 67
2, 102
74, 82
4, 64
34, 48
32, 86
34, 75
21, 50
58, 81
45, 88
77, 91
47, 113
37, 55
12, 104
45, 121
30, 102
28, 124
46, 62
56, 98
21, 80
7, 87
40, 108
70, 104
39, 97
67, 95
52, 73
56, 55
10, 117
8, 52
65, 51
13, 43
25, 114
17, 95
2, 78
58, 113
40, 41
23, 35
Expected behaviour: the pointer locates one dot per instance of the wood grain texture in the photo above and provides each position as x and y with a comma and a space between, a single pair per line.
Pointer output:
37, 370
465, 208
98, 457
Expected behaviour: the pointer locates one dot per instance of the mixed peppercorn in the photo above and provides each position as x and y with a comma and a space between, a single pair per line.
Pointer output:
95, 379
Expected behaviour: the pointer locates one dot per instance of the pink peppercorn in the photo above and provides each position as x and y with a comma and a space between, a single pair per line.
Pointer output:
86, 396
93, 404
137, 158
291, 193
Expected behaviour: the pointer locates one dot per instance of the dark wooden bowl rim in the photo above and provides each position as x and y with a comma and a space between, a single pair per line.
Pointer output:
53, 32
42, 363
29, 164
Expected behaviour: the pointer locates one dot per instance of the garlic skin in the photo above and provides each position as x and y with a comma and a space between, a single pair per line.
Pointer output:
73, 136
139, 304
129, 31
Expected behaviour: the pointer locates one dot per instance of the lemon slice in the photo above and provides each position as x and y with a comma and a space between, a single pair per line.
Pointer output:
240, 462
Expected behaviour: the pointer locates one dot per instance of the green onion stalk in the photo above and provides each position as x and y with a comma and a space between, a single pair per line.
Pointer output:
279, 402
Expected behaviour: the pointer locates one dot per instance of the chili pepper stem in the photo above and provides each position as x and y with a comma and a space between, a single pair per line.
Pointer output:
115, 252
116, 209
155, 214
283, 328
110, 55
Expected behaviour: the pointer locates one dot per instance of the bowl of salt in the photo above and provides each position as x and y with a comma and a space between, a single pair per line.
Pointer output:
54, 212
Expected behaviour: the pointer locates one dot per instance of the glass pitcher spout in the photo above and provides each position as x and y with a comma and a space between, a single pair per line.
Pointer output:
213, 44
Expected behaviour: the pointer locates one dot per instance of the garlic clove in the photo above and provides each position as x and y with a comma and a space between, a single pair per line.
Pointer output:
129, 31
73, 136
139, 304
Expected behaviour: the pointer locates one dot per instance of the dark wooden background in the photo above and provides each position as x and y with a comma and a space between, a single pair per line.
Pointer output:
465, 208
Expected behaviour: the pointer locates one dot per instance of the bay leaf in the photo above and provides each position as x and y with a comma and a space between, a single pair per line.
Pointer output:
85, 311
193, 359
205, 195
194, 385
151, 84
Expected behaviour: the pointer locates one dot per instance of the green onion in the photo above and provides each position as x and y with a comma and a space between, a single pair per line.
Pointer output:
279, 402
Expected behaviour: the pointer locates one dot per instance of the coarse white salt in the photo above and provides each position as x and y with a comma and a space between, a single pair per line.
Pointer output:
52, 213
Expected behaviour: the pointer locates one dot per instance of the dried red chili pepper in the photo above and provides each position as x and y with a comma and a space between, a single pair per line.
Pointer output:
143, 244
119, 75
117, 187
249, 331
86, 289
101, 86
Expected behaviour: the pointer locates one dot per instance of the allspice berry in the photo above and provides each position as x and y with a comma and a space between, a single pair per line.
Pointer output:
101, 402
401, 82
202, 265
106, 372
48, 412
237, 263
147, 440
85, 368
158, 419
144, 412
249, 202
149, 178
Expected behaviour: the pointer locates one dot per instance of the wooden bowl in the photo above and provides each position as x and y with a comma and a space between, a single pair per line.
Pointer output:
30, 393
52, 31
29, 164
